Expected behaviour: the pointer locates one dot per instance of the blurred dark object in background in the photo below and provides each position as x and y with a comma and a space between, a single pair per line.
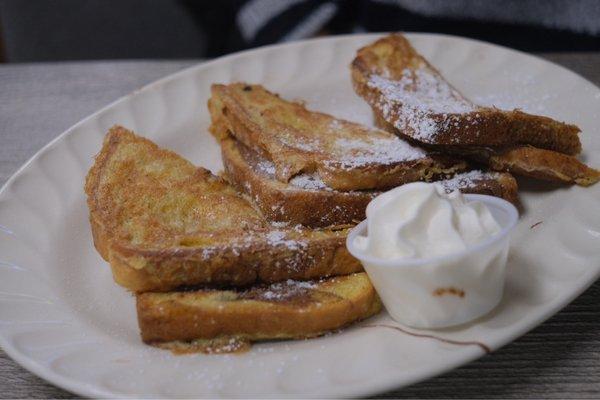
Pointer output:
528, 25
44, 30
47, 30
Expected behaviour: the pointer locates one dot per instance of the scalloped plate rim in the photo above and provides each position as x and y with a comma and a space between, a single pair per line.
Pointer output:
370, 387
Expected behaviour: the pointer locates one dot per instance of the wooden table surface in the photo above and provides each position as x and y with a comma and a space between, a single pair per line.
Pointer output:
559, 359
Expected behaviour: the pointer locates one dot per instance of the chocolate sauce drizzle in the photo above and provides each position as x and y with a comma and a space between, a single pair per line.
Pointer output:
483, 346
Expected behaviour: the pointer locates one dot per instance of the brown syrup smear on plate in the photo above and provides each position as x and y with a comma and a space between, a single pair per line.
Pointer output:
483, 346
442, 291
536, 224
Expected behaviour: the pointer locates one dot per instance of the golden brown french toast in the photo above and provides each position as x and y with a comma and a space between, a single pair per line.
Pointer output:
304, 200
224, 320
308, 201
491, 183
345, 155
411, 95
542, 164
161, 223
521, 160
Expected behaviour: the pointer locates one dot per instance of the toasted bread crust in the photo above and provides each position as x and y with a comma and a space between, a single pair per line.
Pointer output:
228, 266
282, 202
281, 311
161, 257
543, 164
527, 161
393, 61
345, 155
499, 184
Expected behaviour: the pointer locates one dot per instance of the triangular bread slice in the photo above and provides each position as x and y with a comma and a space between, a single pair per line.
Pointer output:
162, 223
412, 96
220, 321
345, 155
541, 164
527, 160
308, 201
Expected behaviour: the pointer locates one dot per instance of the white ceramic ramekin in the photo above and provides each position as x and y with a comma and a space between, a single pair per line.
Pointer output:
448, 290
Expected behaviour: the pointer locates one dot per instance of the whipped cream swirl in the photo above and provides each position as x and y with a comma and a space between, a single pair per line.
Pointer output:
420, 220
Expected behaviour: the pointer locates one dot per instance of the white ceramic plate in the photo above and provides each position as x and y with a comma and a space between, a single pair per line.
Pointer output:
63, 318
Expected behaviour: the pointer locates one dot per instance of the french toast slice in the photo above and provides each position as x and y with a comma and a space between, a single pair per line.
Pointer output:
304, 200
526, 160
308, 201
542, 164
227, 320
162, 223
411, 95
491, 183
523, 160
345, 155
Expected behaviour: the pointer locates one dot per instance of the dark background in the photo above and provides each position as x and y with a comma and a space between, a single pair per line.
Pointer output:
49, 30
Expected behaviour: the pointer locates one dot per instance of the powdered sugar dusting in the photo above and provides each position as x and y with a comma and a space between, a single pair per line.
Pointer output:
410, 101
279, 238
466, 180
353, 153
300, 143
266, 167
275, 236
280, 224
292, 284
335, 124
281, 291
303, 181
301, 284
309, 182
